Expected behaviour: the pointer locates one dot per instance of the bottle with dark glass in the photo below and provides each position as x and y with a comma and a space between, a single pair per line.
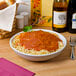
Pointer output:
59, 15
71, 18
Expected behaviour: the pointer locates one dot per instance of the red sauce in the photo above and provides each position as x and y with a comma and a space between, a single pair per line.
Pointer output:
39, 40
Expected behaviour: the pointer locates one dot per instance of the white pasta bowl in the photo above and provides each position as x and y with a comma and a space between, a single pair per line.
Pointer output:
40, 57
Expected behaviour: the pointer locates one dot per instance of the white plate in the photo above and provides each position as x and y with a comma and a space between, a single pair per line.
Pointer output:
40, 57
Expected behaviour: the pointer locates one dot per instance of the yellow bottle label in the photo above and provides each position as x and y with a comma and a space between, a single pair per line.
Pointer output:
41, 12
59, 19
67, 1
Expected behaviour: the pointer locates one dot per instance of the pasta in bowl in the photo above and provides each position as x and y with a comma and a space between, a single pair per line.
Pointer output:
38, 44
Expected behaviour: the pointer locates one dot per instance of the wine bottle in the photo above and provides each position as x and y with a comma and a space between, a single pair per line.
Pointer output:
71, 18
59, 15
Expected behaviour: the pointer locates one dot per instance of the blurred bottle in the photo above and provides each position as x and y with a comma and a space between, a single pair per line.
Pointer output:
71, 20
59, 15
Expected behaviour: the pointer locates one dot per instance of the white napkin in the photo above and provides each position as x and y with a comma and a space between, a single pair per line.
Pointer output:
7, 16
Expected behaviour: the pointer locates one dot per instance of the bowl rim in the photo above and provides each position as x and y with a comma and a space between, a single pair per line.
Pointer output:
10, 42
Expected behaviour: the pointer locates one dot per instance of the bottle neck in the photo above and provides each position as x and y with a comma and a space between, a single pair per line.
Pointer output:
60, 0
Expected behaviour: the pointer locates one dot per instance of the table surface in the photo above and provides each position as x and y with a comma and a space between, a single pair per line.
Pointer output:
62, 65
